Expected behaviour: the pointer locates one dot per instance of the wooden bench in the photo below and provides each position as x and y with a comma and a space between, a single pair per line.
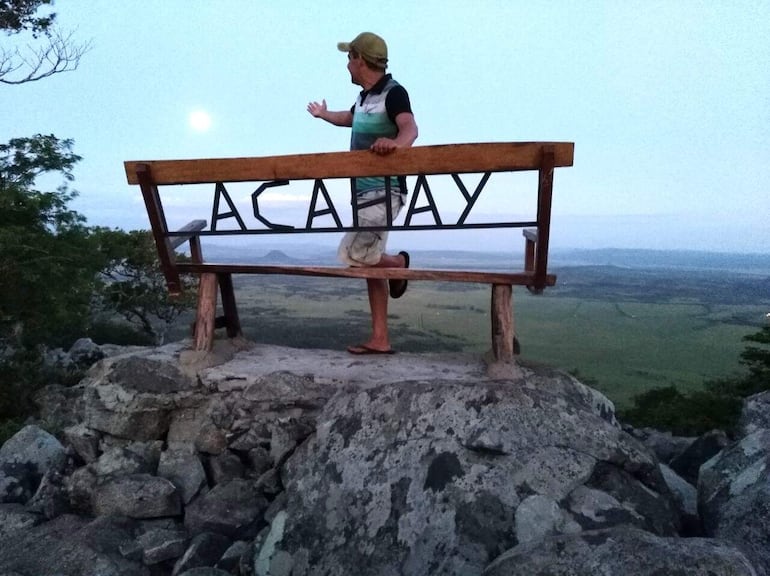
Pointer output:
420, 162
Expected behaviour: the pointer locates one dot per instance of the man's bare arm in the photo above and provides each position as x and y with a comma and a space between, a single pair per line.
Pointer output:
338, 118
407, 134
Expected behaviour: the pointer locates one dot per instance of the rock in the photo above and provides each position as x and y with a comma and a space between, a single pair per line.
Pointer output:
132, 396
60, 406
14, 518
233, 509
24, 458
204, 551
205, 571
418, 476
79, 486
73, 546
621, 550
259, 460
224, 467
734, 497
688, 463
51, 498
136, 496
184, 470
84, 352
161, 544
231, 560
665, 445
755, 414
211, 439
686, 498
122, 461
84, 441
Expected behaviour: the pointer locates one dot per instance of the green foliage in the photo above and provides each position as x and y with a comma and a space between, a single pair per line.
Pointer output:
132, 283
717, 406
47, 263
690, 414
18, 15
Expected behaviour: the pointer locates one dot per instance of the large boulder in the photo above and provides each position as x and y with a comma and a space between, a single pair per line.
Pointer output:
133, 396
442, 477
24, 459
621, 550
734, 497
234, 509
72, 545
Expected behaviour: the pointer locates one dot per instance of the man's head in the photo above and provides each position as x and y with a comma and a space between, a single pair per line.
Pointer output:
368, 46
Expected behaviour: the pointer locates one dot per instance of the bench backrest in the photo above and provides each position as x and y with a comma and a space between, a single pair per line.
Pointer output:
419, 161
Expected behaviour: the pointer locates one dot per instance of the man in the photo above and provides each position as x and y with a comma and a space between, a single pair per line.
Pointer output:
382, 121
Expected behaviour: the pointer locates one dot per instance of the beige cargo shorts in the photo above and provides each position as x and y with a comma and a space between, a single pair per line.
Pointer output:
366, 248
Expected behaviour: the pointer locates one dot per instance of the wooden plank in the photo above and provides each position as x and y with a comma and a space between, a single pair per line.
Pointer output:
544, 199
159, 228
205, 322
194, 226
440, 159
502, 322
482, 277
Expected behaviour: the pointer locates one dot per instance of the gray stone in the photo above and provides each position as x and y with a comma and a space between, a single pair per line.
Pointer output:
665, 445
211, 439
688, 463
79, 486
84, 441
205, 571
51, 498
73, 546
14, 518
205, 550
233, 509
161, 544
24, 459
184, 470
121, 461
233, 557
136, 496
734, 497
85, 352
224, 467
756, 413
59, 406
33, 447
685, 495
132, 396
422, 477
259, 460
621, 550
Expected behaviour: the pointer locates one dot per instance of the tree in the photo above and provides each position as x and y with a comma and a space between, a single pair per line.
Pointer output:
47, 265
50, 51
133, 285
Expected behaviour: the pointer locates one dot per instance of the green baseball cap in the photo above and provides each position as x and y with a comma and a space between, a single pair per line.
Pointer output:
370, 46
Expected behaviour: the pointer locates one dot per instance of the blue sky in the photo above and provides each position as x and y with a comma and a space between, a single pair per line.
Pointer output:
668, 103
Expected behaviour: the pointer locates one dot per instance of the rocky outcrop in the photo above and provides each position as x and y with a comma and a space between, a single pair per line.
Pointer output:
277, 461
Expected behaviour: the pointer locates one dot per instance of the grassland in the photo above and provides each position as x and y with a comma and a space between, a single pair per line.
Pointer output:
623, 330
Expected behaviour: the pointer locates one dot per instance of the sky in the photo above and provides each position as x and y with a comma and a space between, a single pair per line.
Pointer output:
668, 104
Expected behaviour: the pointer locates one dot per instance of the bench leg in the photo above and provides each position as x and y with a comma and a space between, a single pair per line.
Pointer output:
502, 322
205, 321
232, 322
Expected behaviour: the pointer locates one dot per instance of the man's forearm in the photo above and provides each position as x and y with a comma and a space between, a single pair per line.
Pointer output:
338, 118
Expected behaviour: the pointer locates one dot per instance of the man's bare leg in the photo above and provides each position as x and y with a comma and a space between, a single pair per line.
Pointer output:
378, 304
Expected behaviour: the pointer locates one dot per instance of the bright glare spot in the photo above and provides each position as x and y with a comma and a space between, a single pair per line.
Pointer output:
199, 120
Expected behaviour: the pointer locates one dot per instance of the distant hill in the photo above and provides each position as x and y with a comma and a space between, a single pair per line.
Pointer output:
326, 255
674, 259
